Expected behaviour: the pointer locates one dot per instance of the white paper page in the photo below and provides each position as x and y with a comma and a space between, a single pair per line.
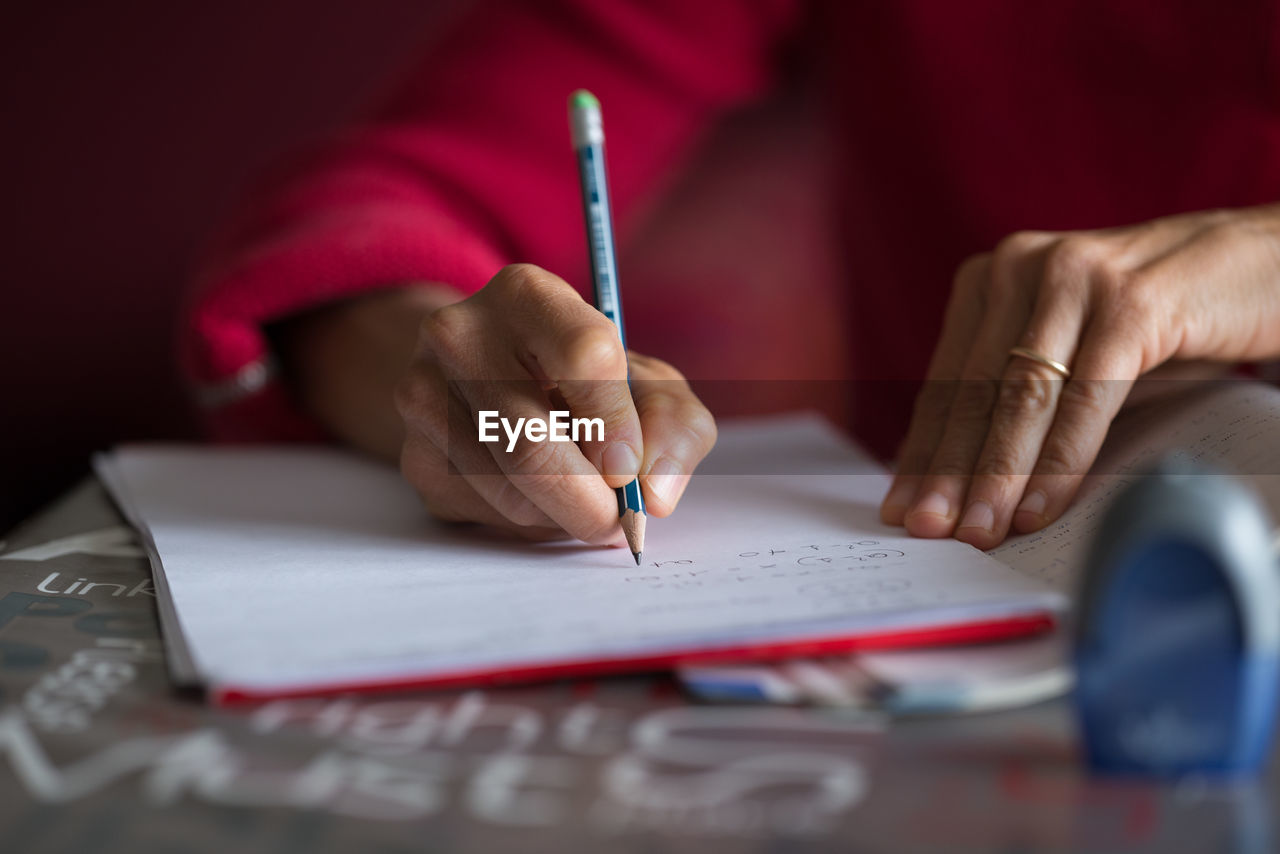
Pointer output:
177, 657
302, 567
1229, 426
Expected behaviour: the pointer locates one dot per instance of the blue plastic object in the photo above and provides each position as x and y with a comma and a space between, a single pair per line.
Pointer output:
1177, 640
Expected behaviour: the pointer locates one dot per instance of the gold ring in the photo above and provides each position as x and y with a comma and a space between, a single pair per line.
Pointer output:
1052, 364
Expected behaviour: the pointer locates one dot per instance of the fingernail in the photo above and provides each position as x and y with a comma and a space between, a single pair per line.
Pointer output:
620, 459
979, 515
935, 503
1033, 502
664, 480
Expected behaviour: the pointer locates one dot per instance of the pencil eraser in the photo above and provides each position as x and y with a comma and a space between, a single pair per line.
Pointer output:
581, 99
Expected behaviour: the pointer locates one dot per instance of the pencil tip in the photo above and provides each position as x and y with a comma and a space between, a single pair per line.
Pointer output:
633, 528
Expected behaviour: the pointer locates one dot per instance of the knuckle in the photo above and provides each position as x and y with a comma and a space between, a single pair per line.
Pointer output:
1016, 246
1025, 394
534, 458
1086, 399
595, 352
656, 397
1002, 457
996, 474
520, 279
1222, 228
1111, 285
609, 400
530, 285
415, 395
998, 463
700, 424
1138, 298
1060, 457
1219, 218
1076, 258
653, 368
675, 403
447, 331
973, 274
1009, 260
975, 399
515, 505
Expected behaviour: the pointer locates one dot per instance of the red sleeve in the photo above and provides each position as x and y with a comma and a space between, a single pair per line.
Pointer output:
467, 168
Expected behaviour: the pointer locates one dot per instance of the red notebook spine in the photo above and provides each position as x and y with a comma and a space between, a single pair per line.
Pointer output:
978, 632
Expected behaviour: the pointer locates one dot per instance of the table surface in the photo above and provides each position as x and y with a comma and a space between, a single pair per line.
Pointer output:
99, 753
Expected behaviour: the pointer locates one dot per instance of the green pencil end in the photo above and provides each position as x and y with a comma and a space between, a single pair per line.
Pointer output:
583, 100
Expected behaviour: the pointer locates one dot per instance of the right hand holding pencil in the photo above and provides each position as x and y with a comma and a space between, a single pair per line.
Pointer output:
525, 343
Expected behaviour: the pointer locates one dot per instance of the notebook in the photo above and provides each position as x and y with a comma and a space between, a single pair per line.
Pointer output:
285, 571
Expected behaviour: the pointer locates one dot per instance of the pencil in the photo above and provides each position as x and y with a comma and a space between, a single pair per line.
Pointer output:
587, 129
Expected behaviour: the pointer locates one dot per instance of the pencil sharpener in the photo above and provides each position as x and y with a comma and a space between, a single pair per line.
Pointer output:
1177, 634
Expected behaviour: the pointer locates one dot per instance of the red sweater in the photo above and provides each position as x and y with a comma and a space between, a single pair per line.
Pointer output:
956, 123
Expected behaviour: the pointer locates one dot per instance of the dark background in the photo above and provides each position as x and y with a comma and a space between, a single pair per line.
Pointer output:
132, 129
129, 129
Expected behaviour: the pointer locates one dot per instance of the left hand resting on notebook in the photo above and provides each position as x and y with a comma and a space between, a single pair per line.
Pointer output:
1000, 442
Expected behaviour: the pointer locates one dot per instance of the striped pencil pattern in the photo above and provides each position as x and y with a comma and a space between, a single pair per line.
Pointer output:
586, 125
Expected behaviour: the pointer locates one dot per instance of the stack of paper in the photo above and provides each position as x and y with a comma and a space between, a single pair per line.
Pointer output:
938, 680
296, 570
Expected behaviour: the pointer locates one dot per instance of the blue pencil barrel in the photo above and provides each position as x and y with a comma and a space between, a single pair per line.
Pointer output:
588, 141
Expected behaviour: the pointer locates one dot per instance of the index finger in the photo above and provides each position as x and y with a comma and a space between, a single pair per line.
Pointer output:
552, 474
933, 402
566, 342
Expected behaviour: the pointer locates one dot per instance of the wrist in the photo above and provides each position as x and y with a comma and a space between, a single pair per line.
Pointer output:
341, 362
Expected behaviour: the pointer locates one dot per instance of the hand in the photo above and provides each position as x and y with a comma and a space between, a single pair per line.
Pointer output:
527, 341
1000, 442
